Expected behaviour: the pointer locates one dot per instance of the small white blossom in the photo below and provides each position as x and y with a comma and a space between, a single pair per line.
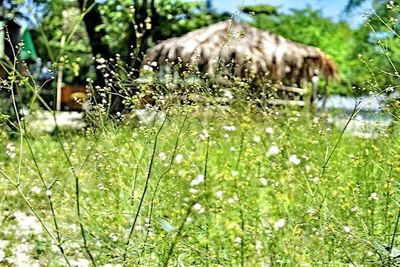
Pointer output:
197, 207
229, 128
48, 193
256, 139
269, 130
263, 181
354, 209
235, 173
179, 158
238, 240
10, 150
279, 223
101, 60
228, 95
259, 245
204, 134
233, 199
36, 189
307, 168
147, 68
374, 196
311, 212
10, 147
113, 237
162, 156
347, 229
294, 159
193, 191
219, 194
273, 150
198, 180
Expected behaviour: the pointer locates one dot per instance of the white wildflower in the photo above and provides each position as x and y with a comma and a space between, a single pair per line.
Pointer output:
204, 134
198, 180
193, 191
269, 130
311, 212
147, 68
279, 224
273, 150
219, 194
162, 156
307, 168
259, 245
229, 128
101, 60
374, 196
179, 158
233, 199
347, 229
238, 240
197, 207
294, 159
235, 173
113, 237
263, 181
10, 150
256, 139
10, 147
354, 209
228, 95
48, 193
36, 189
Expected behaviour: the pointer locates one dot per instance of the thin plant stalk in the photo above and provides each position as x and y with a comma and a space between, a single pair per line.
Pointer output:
149, 172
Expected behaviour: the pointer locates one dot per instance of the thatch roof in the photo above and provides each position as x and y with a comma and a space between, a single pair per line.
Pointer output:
250, 49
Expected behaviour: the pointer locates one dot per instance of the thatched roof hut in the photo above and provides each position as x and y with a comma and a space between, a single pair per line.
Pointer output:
247, 49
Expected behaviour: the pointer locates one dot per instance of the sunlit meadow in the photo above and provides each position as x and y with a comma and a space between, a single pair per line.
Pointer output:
200, 185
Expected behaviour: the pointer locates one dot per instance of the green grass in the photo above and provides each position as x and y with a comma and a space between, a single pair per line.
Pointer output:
139, 206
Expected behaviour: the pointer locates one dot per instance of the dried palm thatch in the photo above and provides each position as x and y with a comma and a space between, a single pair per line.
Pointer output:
246, 50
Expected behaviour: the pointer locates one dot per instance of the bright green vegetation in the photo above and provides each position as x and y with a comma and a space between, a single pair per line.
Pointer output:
206, 186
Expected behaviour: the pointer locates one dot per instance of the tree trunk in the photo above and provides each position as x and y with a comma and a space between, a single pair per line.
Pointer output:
137, 50
92, 19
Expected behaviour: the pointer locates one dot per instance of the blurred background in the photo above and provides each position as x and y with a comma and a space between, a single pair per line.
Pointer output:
360, 35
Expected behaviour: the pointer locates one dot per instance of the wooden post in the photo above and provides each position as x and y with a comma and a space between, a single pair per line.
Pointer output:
325, 98
59, 78
314, 89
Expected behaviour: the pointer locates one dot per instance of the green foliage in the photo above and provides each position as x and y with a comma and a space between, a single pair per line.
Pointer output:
259, 9
175, 18
65, 43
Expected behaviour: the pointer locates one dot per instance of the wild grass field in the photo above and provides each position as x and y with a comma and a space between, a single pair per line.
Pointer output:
201, 185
